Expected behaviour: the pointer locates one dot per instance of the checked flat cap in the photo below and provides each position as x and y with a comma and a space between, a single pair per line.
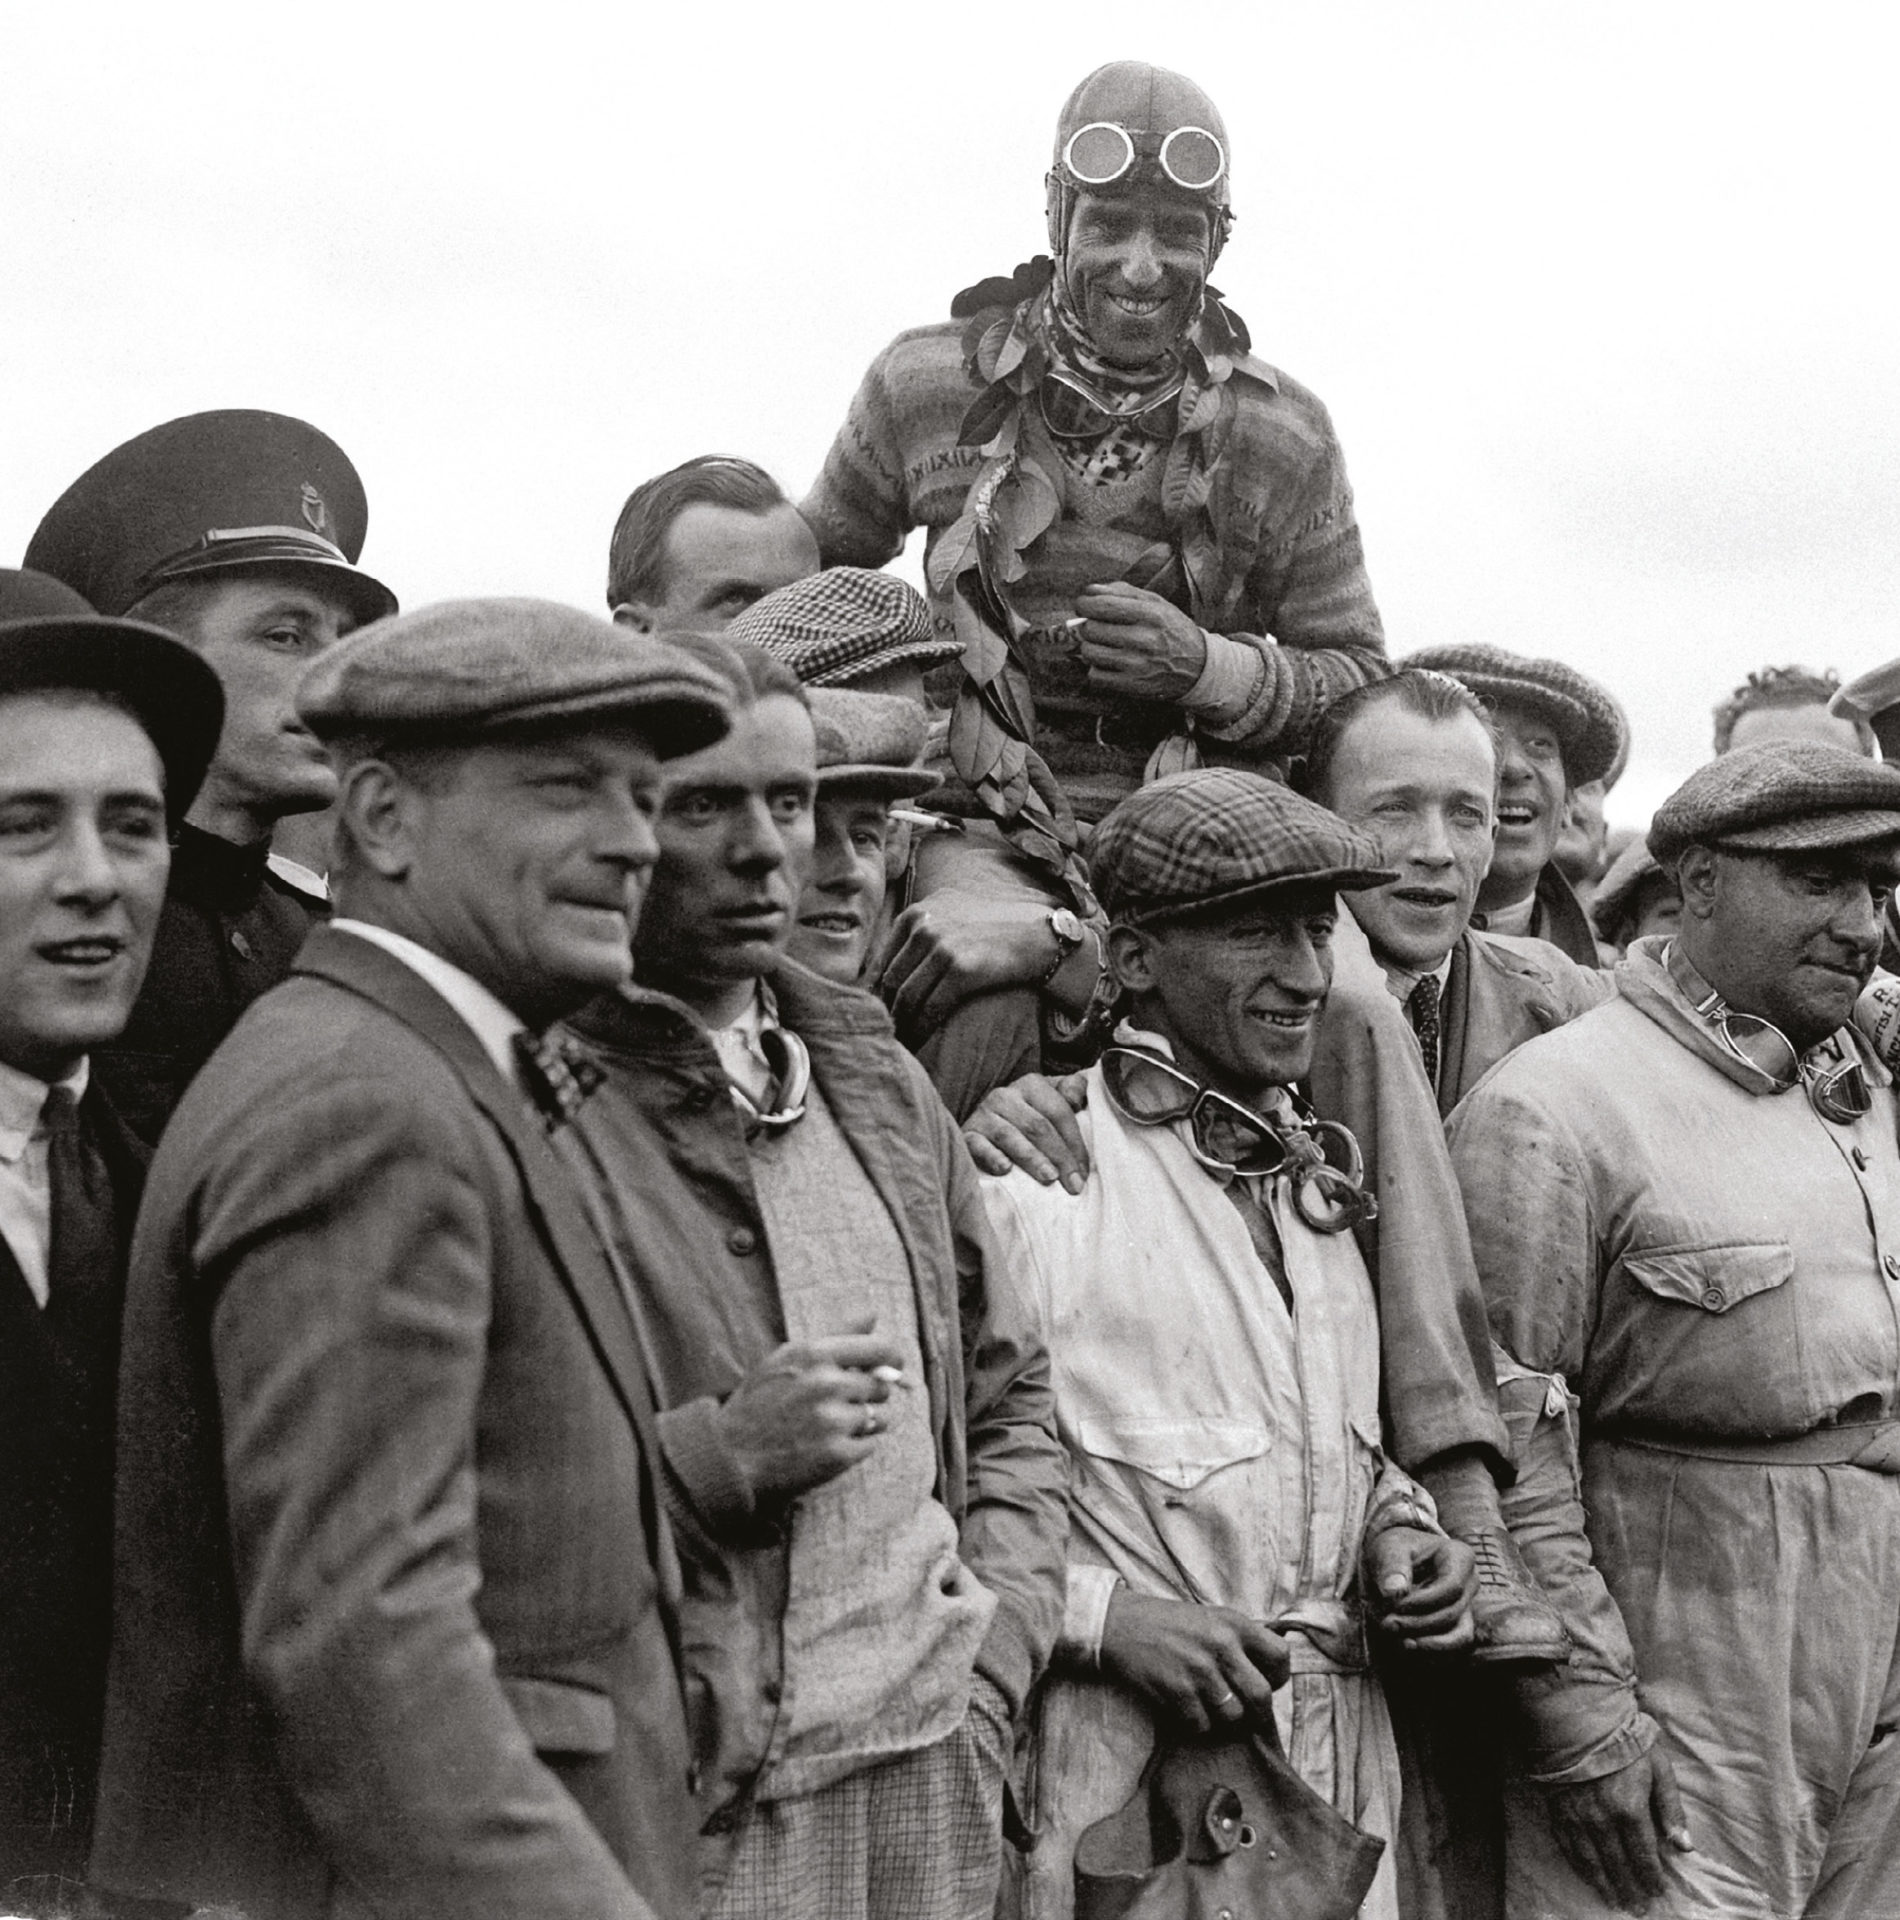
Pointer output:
212, 493
835, 627
50, 639
1785, 796
870, 743
471, 669
1590, 725
1216, 835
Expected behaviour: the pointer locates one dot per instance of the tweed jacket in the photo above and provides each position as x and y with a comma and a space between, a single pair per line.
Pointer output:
393, 1629
1000, 1471
1501, 992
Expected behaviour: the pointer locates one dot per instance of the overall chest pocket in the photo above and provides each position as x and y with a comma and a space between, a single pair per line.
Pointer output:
1703, 1338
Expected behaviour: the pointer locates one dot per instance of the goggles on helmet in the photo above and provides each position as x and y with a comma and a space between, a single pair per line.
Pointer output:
1102, 152
1321, 1159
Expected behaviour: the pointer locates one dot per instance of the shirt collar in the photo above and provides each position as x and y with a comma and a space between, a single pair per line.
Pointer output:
493, 1024
1400, 983
22, 1097
739, 1046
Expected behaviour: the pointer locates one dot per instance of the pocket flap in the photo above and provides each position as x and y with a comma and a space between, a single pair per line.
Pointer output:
1713, 1278
560, 1716
1180, 1452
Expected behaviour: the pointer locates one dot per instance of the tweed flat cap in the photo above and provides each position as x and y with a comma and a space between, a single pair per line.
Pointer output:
835, 627
212, 493
51, 639
469, 669
870, 743
1785, 796
1874, 697
1216, 835
1590, 725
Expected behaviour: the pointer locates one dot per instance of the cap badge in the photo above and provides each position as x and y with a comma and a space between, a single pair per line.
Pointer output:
317, 513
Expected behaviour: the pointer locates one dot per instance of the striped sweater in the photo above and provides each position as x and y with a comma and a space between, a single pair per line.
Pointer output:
1305, 609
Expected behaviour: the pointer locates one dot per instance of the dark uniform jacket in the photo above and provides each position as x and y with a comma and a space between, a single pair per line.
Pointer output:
1000, 1471
394, 1628
57, 1367
229, 931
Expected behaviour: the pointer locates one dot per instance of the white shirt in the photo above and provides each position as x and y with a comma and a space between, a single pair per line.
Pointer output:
491, 1022
1400, 984
740, 1050
26, 1188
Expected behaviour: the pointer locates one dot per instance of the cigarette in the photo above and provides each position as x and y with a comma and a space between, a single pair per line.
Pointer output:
1074, 624
892, 1377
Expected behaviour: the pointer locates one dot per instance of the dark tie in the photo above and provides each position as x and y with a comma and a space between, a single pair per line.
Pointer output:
1421, 1006
557, 1074
84, 1247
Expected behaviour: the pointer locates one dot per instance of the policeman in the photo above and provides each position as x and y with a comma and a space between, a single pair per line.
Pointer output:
239, 532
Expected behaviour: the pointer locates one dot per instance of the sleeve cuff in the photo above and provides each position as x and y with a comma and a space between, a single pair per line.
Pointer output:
721, 1497
1629, 1740
1085, 1613
1228, 681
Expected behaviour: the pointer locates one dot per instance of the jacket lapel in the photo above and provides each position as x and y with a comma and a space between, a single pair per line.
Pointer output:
1454, 1027
554, 1203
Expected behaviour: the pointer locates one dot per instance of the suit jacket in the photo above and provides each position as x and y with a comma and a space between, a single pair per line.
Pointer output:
57, 1365
1502, 991
390, 1636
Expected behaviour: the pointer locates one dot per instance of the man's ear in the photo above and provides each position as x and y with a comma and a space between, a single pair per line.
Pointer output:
1132, 959
1698, 874
377, 811
637, 615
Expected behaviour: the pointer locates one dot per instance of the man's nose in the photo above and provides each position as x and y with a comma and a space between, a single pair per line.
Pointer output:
1302, 972
1857, 921
87, 874
1431, 844
628, 838
1141, 261
758, 842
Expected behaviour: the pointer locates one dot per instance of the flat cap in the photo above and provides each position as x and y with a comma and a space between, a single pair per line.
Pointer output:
870, 743
1590, 725
212, 493
50, 639
465, 670
1620, 884
835, 627
1784, 796
1216, 835
1874, 697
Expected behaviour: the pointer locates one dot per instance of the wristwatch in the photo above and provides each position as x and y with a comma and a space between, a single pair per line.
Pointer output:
1069, 933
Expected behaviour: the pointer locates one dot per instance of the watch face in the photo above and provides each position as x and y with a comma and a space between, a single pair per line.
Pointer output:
1066, 926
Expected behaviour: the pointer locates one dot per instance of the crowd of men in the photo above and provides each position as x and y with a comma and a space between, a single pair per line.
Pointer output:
1068, 1247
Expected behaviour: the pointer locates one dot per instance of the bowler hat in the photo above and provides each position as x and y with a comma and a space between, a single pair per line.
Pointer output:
1214, 836
51, 639
234, 490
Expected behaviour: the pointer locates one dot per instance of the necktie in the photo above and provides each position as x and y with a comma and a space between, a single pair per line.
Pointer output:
84, 1249
557, 1074
1421, 1007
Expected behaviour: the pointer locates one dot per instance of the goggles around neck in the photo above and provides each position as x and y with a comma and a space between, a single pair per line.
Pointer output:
1071, 412
1836, 1084
1103, 152
1320, 1159
786, 1097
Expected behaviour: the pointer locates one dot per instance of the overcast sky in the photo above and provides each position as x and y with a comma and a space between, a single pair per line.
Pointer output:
1602, 298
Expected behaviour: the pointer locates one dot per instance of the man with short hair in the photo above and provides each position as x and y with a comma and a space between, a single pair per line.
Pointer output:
861, 1640
1694, 1282
396, 1592
238, 531
1215, 1342
696, 545
1556, 729
1413, 761
105, 730
1791, 703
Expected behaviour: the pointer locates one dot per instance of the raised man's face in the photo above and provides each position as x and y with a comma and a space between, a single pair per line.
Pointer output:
1422, 788
528, 860
1239, 993
1790, 937
837, 913
735, 848
258, 631
1136, 264
1531, 801
83, 863
719, 560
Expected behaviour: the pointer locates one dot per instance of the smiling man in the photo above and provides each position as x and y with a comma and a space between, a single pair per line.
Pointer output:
238, 531
396, 1595
1694, 1285
105, 729
1556, 729
858, 1421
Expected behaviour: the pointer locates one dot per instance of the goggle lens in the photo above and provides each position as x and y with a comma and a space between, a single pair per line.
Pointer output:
1148, 1090
1191, 157
1099, 153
